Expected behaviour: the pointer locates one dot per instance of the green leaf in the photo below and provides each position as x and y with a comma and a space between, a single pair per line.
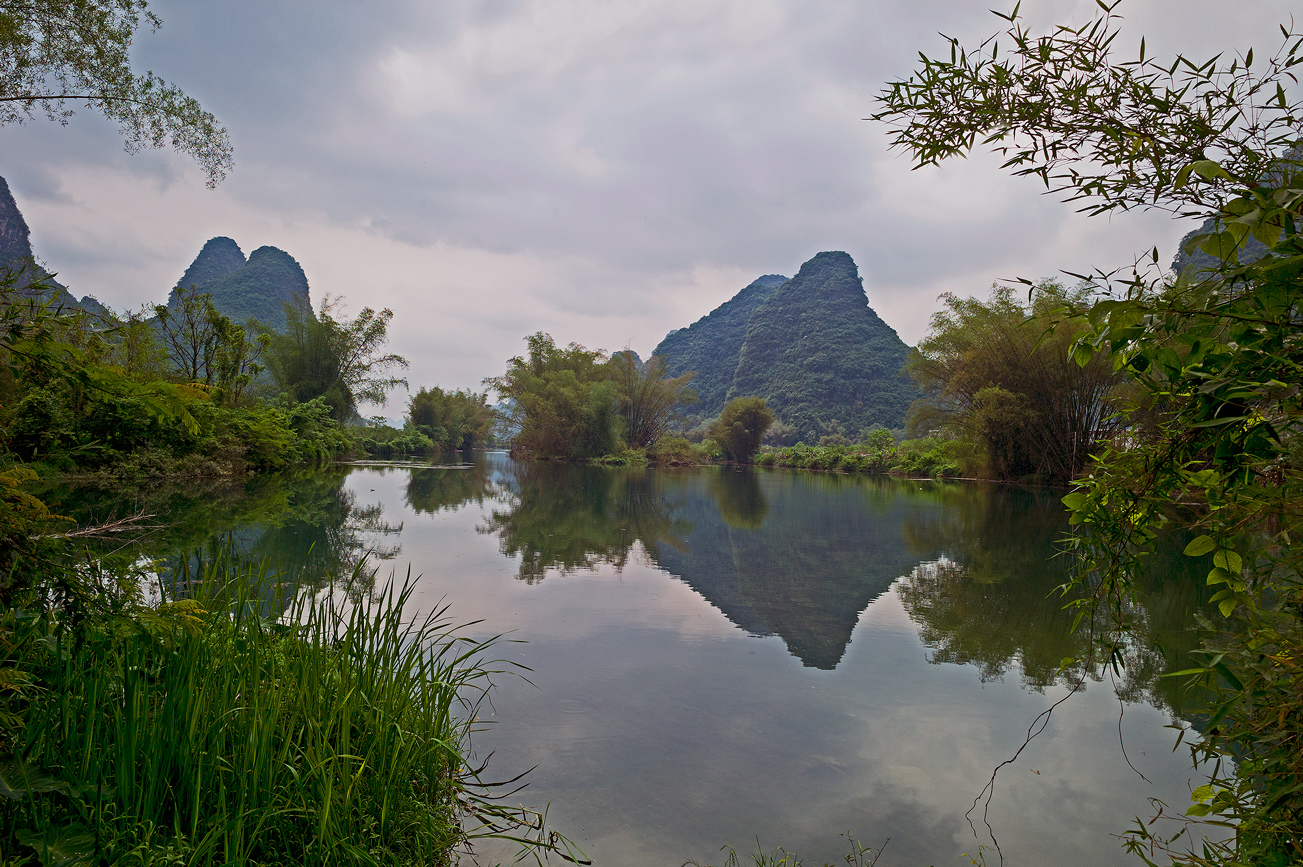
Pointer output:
1200, 546
1217, 576
1210, 170
1221, 245
20, 779
69, 846
1226, 606
1075, 500
1228, 560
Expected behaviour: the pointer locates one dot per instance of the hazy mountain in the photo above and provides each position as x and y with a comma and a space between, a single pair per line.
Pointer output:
711, 345
258, 288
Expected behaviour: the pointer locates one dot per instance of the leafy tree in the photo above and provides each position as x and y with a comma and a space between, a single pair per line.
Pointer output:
56, 51
650, 400
562, 403
1217, 350
995, 374
340, 360
741, 427
458, 419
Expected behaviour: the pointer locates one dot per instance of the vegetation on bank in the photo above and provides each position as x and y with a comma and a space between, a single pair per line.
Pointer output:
1212, 358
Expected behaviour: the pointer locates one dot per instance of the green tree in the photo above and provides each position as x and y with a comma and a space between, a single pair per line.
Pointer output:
741, 427
1217, 352
995, 374
458, 419
331, 357
53, 52
562, 403
651, 402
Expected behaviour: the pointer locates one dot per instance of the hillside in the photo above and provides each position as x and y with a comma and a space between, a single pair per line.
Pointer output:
712, 345
258, 288
811, 346
16, 257
821, 357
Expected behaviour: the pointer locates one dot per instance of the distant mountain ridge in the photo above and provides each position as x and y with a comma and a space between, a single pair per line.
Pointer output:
257, 288
811, 346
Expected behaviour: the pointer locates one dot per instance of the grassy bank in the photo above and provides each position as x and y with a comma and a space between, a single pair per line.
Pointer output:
222, 729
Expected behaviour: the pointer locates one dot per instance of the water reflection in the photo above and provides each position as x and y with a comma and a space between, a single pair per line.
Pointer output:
795, 555
565, 518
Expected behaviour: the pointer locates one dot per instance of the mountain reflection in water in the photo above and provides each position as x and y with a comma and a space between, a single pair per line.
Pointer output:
789, 554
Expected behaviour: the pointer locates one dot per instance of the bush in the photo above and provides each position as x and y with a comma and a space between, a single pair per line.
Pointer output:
741, 427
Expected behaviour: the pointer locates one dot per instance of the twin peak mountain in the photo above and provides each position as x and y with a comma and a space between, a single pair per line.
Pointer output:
811, 346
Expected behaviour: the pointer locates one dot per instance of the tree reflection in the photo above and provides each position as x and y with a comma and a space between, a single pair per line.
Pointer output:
738, 497
991, 599
565, 518
437, 489
308, 529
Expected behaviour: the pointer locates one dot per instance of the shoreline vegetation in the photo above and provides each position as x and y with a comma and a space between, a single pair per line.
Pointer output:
191, 708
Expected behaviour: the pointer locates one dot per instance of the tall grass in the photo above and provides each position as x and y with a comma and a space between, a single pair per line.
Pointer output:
207, 731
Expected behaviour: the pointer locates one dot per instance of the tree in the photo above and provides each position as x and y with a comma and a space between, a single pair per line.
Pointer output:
1218, 352
53, 52
190, 328
459, 419
562, 401
997, 376
340, 360
741, 427
650, 401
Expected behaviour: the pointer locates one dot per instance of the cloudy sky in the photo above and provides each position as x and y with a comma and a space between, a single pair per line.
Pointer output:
604, 170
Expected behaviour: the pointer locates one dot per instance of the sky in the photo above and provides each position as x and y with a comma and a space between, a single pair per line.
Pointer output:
602, 170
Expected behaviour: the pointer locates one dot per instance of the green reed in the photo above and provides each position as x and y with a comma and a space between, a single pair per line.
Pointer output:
208, 731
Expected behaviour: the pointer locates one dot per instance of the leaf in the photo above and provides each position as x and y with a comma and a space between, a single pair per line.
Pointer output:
1075, 500
1200, 546
1210, 170
20, 780
1228, 560
69, 846
1226, 606
1217, 576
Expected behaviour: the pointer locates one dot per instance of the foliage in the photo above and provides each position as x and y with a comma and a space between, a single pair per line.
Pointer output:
458, 419
335, 733
1217, 351
52, 53
876, 455
999, 373
84, 393
650, 400
562, 401
339, 360
206, 347
740, 428
388, 442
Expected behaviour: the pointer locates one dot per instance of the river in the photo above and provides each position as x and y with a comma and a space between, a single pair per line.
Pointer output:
716, 656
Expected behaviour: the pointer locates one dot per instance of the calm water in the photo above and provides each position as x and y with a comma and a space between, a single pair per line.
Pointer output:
720, 655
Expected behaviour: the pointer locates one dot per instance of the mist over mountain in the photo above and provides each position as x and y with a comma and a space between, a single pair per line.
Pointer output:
811, 346
257, 288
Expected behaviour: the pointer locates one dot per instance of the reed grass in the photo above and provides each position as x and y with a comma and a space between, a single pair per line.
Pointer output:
219, 730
